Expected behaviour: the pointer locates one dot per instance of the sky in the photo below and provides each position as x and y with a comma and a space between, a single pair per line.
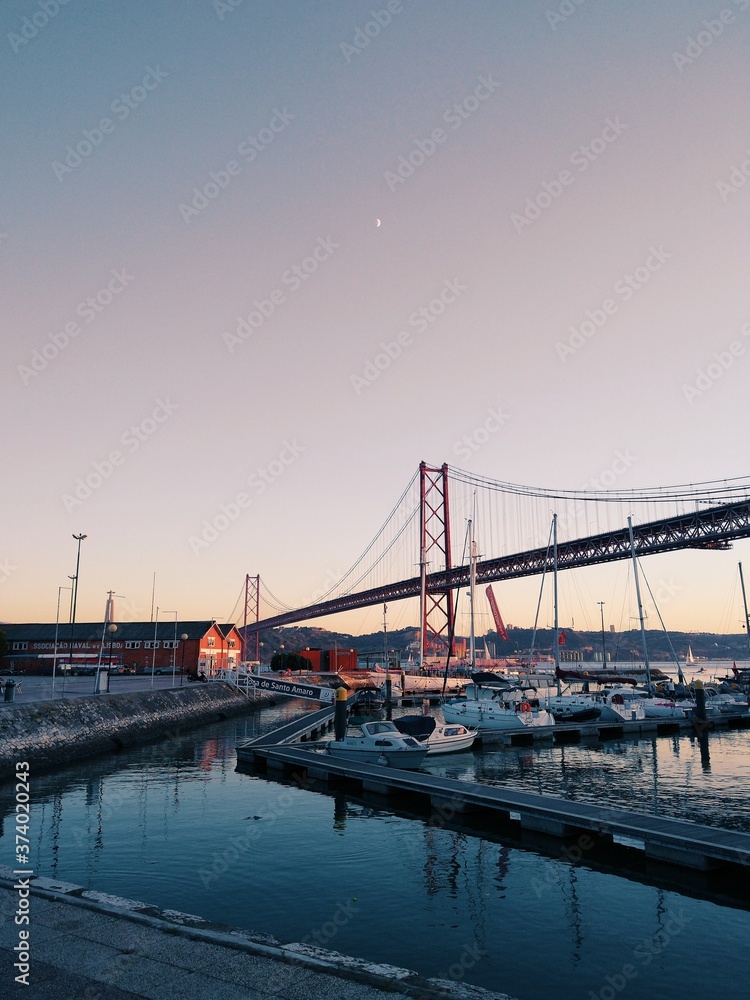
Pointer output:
261, 259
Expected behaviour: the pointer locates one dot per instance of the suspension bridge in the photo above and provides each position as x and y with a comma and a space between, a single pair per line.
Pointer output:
514, 533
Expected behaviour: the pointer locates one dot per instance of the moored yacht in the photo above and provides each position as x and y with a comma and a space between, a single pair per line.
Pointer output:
498, 706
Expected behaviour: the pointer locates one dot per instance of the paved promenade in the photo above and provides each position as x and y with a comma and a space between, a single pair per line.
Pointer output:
84, 945
33, 688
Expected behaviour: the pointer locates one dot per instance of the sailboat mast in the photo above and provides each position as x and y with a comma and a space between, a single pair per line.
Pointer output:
640, 606
472, 593
385, 637
422, 603
744, 601
554, 593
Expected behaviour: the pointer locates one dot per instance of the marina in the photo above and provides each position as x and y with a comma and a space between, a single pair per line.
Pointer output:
178, 825
367, 764
373, 614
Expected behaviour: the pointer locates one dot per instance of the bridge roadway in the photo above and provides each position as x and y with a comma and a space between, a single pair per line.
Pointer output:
712, 527
678, 842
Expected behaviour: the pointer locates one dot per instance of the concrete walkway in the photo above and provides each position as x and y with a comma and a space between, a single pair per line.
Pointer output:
85, 945
34, 689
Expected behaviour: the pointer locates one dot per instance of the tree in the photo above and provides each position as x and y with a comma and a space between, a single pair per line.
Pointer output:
3, 644
290, 661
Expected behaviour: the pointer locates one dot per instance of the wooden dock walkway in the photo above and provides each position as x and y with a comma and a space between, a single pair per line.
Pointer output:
679, 842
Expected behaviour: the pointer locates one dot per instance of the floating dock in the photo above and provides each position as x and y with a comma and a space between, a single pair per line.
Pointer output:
679, 842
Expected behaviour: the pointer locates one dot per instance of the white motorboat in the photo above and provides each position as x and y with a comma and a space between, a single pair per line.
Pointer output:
660, 706
437, 738
498, 706
378, 743
725, 703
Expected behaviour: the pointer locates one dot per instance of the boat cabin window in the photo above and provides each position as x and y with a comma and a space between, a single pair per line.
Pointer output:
381, 727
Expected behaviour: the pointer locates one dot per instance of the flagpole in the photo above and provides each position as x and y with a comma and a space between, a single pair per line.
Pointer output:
557, 621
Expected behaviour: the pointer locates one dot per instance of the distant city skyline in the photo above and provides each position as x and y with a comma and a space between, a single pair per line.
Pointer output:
260, 260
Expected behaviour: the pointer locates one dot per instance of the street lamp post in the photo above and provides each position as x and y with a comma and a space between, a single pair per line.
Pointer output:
182, 668
57, 625
111, 628
73, 601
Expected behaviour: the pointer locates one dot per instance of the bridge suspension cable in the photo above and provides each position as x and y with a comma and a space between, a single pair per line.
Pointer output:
513, 520
711, 491
409, 514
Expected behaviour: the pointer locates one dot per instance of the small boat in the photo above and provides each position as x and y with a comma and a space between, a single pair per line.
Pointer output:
378, 743
368, 705
436, 737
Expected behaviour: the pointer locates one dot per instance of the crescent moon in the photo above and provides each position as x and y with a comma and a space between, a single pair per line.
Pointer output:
377, 223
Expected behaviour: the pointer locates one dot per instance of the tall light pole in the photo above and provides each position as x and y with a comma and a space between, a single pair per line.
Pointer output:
57, 625
73, 600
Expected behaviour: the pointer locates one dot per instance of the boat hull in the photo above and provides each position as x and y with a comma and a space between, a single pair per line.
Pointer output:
407, 759
485, 715
443, 741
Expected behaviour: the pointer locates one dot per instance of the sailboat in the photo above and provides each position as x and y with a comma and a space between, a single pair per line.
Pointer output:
493, 704
607, 705
689, 658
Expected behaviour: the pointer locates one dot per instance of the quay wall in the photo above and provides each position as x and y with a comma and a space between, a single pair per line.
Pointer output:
51, 734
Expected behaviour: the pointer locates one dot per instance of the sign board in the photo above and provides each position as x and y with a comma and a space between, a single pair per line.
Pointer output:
293, 688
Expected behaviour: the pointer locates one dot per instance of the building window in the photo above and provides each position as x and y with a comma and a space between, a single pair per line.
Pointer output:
20, 645
211, 641
132, 645
149, 644
170, 644
231, 643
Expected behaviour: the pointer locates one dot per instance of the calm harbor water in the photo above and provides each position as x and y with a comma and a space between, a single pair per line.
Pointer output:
175, 824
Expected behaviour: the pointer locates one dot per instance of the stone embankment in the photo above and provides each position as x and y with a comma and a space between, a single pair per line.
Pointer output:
50, 734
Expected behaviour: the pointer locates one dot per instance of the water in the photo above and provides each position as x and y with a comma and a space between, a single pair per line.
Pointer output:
176, 825
702, 779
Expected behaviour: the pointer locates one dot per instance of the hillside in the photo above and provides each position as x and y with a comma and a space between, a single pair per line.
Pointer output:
620, 646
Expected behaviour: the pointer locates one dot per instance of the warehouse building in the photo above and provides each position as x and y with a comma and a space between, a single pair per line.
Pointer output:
132, 646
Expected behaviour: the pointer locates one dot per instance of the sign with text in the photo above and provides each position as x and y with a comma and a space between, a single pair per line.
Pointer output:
294, 689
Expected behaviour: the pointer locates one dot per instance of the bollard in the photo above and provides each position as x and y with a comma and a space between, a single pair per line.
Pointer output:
388, 689
700, 702
10, 691
339, 715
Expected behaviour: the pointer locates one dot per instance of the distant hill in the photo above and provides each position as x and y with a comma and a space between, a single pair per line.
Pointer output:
620, 646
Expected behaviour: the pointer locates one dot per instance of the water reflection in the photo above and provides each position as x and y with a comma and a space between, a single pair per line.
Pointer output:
177, 825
